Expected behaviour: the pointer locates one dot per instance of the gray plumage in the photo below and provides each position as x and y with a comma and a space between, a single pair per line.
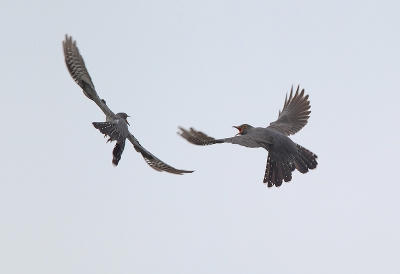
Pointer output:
116, 125
117, 130
284, 156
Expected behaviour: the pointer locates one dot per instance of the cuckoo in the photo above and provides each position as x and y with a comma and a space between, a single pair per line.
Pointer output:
284, 155
116, 125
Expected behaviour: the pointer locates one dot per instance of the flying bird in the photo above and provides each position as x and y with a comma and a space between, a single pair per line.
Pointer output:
116, 125
284, 155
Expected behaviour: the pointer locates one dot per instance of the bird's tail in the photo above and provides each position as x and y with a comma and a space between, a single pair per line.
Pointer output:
305, 159
117, 152
108, 128
276, 172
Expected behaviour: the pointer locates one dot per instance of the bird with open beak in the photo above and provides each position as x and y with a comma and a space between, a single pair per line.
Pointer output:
284, 155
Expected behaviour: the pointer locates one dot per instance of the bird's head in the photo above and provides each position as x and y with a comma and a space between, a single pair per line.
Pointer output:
243, 129
124, 116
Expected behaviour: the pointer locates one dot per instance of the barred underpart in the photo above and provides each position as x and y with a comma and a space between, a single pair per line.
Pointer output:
77, 69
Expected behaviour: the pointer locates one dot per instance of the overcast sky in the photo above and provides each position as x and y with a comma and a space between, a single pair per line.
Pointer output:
64, 208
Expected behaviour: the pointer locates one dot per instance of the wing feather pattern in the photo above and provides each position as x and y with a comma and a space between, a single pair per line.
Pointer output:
199, 138
152, 160
294, 115
77, 69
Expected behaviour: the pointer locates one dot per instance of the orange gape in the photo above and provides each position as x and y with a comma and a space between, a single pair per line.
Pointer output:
284, 156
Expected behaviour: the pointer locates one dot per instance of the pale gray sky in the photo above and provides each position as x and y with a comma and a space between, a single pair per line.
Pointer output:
64, 208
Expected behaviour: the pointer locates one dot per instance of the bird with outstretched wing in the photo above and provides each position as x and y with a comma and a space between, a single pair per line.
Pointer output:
284, 155
116, 125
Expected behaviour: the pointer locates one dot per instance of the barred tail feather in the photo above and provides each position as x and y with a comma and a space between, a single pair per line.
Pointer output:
308, 158
279, 174
268, 173
288, 173
272, 176
300, 165
275, 173
117, 152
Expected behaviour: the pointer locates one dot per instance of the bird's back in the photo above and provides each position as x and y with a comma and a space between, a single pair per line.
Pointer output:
278, 145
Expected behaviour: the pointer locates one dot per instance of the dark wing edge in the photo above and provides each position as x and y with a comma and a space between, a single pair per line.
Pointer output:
294, 115
200, 139
77, 69
197, 137
152, 160
110, 129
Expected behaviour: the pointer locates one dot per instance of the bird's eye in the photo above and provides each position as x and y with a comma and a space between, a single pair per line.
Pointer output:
244, 126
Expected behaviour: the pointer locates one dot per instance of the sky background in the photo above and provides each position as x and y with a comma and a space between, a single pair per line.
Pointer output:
64, 208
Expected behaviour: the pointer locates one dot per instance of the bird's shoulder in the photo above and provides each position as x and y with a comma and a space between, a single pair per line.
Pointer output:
260, 134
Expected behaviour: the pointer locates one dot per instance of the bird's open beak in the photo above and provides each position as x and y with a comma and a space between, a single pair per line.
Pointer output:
127, 119
238, 128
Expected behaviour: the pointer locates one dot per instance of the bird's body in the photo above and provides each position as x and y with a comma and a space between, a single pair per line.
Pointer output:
116, 125
284, 156
117, 130
271, 140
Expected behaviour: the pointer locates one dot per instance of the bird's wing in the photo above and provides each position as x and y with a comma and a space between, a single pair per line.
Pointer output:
116, 133
152, 160
199, 138
294, 115
115, 129
77, 69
